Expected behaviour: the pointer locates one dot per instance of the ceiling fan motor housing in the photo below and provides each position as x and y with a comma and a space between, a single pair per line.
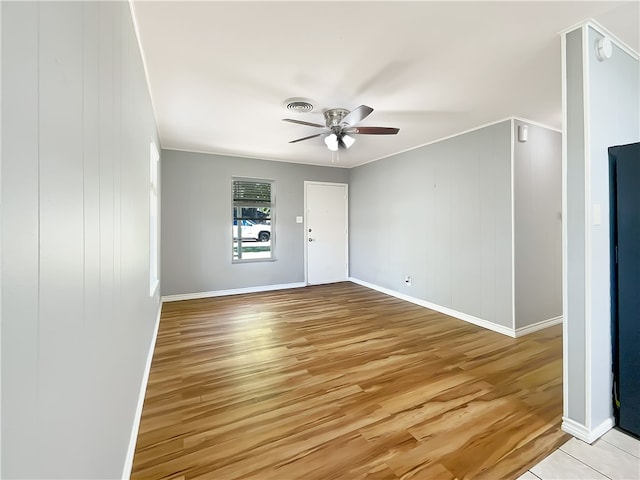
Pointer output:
333, 117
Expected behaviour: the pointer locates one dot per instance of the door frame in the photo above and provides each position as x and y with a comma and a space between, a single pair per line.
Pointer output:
306, 227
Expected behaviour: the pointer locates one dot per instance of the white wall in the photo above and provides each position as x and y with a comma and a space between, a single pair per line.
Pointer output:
602, 105
77, 318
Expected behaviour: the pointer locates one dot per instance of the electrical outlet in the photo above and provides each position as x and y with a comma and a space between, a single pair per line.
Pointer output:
407, 280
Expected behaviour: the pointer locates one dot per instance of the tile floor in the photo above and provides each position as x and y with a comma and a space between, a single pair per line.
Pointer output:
614, 456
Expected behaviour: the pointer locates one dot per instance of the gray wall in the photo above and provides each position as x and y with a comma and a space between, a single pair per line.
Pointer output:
77, 318
537, 178
196, 221
574, 226
441, 214
609, 108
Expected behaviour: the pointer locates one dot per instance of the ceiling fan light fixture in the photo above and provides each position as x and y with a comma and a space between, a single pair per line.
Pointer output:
348, 140
341, 125
332, 142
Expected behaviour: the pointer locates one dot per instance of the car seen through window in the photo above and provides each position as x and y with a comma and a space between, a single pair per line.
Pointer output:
250, 230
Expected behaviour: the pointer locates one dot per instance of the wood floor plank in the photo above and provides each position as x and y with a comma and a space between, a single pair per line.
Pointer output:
342, 382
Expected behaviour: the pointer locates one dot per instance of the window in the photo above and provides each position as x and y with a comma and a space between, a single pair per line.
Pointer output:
252, 222
154, 158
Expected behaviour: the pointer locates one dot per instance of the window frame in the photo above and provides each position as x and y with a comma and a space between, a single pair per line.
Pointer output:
272, 219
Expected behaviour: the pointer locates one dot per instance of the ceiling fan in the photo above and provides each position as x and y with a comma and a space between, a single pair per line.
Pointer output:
341, 123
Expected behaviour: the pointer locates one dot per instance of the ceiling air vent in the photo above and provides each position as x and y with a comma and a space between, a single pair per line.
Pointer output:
299, 105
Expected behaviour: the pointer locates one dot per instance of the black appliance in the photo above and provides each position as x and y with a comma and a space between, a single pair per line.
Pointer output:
624, 166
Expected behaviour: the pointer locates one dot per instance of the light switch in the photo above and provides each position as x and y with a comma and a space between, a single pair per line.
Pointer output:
597, 214
298, 219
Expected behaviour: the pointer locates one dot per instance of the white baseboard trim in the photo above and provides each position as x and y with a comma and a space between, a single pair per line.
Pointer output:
439, 308
585, 434
538, 326
234, 291
128, 464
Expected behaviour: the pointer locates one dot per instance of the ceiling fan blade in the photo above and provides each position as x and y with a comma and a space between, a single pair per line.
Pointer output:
357, 115
309, 124
305, 138
372, 130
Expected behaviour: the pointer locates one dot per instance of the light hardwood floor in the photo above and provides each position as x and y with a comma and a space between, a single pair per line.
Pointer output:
339, 381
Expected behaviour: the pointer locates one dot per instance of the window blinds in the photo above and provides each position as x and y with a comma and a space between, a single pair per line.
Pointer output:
251, 193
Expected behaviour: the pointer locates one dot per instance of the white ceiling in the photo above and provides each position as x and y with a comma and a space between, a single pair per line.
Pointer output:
219, 72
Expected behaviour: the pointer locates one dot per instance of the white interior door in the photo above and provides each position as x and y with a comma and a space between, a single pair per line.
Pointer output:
326, 232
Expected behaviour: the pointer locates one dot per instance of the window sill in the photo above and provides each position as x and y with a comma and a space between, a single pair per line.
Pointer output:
254, 260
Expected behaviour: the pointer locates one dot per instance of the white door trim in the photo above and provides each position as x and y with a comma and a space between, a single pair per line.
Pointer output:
306, 228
